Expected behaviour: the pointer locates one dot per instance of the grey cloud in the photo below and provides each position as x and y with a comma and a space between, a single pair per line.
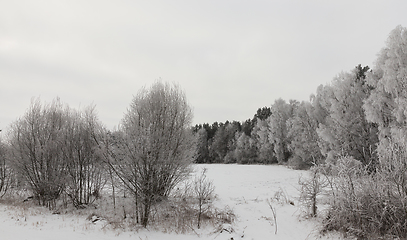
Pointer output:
231, 57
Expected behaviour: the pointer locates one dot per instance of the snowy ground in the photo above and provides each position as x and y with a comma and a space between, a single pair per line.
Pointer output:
243, 188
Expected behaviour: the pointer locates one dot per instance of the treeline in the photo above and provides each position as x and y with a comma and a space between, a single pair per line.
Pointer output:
332, 124
352, 131
218, 142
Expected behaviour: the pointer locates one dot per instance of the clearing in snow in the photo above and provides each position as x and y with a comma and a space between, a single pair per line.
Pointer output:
249, 190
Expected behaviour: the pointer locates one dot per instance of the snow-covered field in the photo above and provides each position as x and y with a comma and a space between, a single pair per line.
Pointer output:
244, 188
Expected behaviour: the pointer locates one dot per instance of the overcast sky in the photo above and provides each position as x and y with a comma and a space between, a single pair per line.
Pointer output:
230, 57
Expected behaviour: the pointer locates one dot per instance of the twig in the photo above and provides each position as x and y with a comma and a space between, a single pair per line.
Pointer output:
273, 210
194, 231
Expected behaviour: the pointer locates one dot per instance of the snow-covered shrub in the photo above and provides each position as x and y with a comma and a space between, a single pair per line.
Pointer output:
204, 192
343, 213
180, 214
310, 188
366, 205
191, 206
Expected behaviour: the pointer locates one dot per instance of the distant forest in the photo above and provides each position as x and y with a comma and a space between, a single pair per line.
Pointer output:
332, 124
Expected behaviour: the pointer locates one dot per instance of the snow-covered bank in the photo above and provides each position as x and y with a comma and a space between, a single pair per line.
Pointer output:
244, 188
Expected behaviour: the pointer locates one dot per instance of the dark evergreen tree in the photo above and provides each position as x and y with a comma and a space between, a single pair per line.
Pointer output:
263, 113
202, 151
247, 126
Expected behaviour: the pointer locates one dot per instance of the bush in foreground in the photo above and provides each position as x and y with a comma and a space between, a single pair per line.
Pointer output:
367, 205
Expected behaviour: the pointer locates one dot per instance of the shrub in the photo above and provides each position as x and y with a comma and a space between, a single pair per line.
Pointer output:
366, 205
310, 189
203, 191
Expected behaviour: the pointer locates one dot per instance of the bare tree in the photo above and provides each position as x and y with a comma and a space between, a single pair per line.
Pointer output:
155, 151
5, 170
311, 188
54, 148
35, 144
84, 164
203, 190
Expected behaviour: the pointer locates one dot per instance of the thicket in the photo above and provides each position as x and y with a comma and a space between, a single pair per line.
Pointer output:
52, 151
366, 179
60, 156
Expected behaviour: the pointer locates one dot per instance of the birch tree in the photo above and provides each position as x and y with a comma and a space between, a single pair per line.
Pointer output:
387, 104
265, 145
346, 130
304, 138
281, 112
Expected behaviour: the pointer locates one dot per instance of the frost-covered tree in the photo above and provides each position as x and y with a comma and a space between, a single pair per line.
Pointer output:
346, 130
387, 104
157, 146
265, 147
84, 165
320, 103
53, 147
278, 131
35, 150
245, 151
303, 137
